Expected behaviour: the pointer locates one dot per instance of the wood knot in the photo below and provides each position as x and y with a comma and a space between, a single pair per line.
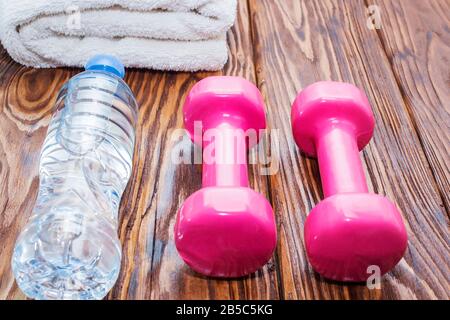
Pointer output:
31, 95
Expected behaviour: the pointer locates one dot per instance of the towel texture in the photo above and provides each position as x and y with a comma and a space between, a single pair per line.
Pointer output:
180, 35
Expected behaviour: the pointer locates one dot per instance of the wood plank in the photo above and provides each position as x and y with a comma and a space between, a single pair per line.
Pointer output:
419, 55
300, 42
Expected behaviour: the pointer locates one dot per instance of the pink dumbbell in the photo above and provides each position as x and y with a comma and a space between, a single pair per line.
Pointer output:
225, 229
351, 229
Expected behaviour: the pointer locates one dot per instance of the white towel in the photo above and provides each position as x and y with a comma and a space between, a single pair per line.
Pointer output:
180, 35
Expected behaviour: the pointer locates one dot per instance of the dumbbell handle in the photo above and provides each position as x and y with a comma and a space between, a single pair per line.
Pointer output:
338, 155
224, 157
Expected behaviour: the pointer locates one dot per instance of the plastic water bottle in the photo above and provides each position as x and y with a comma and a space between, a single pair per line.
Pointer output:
70, 249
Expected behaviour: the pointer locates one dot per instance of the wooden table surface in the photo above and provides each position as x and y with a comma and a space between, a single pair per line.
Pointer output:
282, 46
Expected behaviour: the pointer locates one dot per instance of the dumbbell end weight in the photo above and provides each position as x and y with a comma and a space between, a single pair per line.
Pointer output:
351, 233
223, 100
348, 235
225, 232
225, 229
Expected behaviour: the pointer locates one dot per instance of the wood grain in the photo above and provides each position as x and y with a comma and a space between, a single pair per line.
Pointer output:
296, 44
282, 46
419, 54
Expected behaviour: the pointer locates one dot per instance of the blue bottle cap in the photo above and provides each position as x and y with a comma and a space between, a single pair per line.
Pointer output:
107, 63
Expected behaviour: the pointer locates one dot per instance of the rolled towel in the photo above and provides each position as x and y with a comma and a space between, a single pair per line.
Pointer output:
180, 35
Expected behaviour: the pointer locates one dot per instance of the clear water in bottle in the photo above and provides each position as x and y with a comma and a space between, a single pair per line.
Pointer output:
70, 249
